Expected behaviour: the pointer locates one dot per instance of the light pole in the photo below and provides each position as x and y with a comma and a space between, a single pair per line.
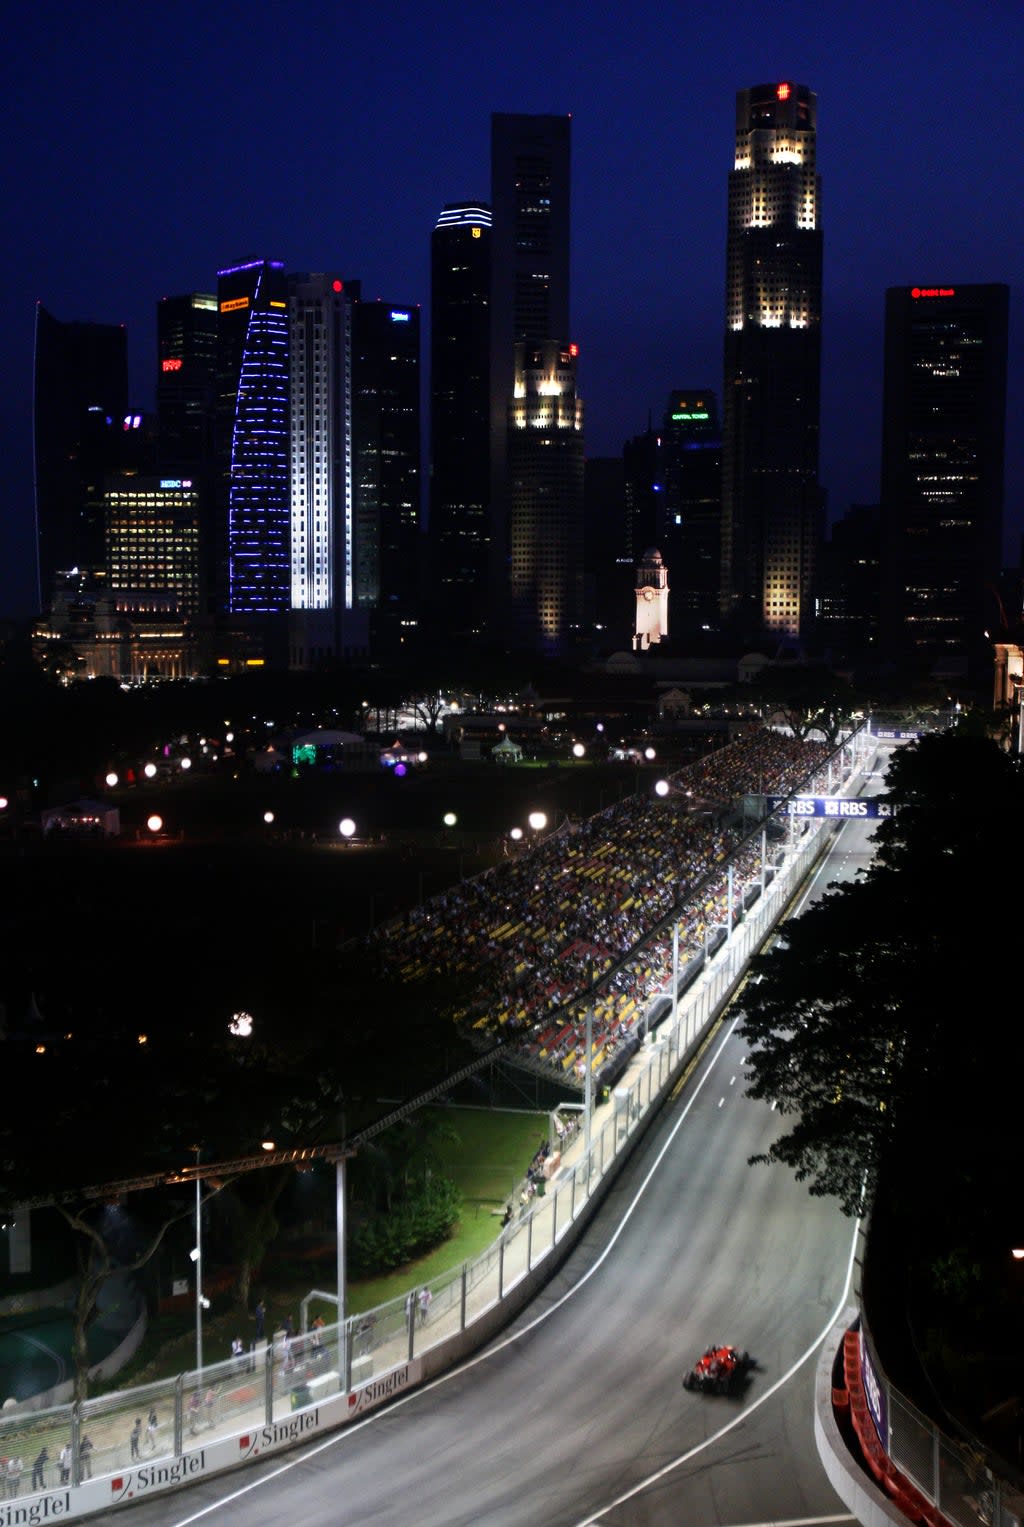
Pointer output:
197, 1257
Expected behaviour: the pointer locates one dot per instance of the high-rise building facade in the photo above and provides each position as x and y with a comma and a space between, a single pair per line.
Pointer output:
152, 538
942, 465
460, 335
80, 401
322, 553
386, 456
252, 568
529, 302
690, 532
771, 498
186, 382
545, 460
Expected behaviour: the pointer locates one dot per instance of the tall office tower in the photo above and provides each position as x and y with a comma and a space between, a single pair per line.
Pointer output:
942, 464
849, 589
386, 457
545, 459
530, 189
771, 499
186, 382
152, 538
460, 285
642, 466
607, 571
690, 533
80, 399
252, 522
322, 500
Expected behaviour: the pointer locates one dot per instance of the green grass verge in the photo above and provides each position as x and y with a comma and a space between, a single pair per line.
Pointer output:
486, 1157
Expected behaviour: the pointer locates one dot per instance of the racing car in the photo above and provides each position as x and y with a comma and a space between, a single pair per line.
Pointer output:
719, 1370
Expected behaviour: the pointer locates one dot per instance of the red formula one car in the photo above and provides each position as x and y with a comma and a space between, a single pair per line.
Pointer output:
720, 1370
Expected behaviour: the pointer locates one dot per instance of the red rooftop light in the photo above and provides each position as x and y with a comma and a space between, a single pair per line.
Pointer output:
338, 286
782, 91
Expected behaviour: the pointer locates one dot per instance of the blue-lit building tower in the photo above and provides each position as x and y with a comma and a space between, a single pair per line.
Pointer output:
251, 541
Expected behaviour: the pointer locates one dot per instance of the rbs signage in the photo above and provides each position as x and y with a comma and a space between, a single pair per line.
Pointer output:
827, 806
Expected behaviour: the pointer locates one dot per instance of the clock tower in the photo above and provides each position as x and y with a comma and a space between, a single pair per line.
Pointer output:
651, 601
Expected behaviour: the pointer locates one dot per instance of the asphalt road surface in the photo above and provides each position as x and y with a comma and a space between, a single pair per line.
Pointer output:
577, 1415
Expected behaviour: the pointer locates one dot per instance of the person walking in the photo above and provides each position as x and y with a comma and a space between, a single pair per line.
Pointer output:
64, 1463
195, 1405
38, 1469
15, 1469
426, 1299
151, 1426
260, 1316
135, 1437
209, 1400
85, 1455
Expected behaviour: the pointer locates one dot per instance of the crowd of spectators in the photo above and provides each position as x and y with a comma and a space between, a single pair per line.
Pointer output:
588, 910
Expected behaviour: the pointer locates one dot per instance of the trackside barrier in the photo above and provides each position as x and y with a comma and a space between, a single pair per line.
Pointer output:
932, 1478
133, 1444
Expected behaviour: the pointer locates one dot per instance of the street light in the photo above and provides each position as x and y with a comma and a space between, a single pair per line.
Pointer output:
150, 771
537, 820
450, 819
155, 823
661, 787
111, 780
516, 834
578, 750
268, 817
197, 1257
346, 827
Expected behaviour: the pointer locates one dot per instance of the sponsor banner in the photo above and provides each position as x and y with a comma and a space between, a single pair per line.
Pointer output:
832, 806
40, 1508
162, 1474
894, 734
874, 1394
377, 1391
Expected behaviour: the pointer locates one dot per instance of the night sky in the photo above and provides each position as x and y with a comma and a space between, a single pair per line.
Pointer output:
147, 144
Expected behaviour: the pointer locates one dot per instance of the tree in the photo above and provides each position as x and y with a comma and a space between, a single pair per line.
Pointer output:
808, 699
858, 1019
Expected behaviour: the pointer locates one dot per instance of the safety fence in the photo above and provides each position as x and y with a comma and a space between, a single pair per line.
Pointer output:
931, 1475
163, 1433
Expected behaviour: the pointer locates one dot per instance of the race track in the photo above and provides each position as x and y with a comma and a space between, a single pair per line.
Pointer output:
577, 1414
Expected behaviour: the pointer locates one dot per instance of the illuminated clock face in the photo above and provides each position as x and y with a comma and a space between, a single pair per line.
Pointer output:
648, 593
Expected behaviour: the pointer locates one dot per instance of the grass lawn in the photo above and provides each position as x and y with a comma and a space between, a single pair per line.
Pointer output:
487, 1157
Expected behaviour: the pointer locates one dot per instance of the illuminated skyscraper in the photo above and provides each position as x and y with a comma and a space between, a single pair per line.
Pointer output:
460, 285
252, 563
545, 533
771, 499
152, 538
942, 466
80, 399
321, 466
530, 187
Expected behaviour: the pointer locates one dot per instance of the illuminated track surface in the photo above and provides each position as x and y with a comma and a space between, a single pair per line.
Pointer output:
577, 1414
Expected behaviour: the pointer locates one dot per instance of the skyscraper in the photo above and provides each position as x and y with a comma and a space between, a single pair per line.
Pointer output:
460, 285
771, 499
322, 551
80, 399
530, 188
386, 456
942, 465
152, 538
690, 533
186, 382
251, 550
545, 461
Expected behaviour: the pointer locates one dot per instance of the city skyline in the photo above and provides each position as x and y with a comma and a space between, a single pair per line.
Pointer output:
150, 193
